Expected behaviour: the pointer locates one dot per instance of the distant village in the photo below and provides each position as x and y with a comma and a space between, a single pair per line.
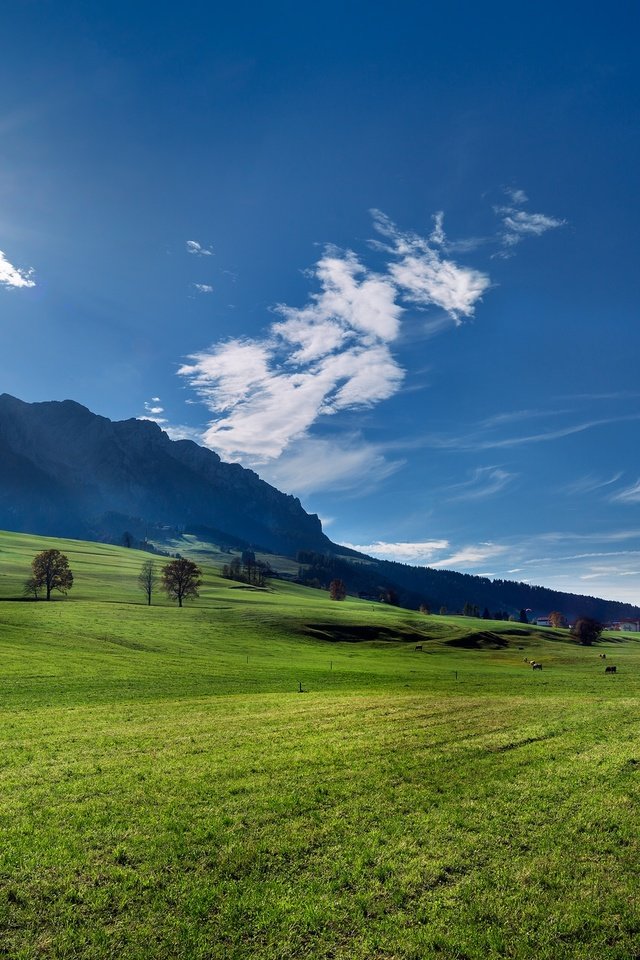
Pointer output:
625, 626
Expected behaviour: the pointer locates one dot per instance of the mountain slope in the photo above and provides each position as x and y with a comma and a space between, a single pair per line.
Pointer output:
63, 470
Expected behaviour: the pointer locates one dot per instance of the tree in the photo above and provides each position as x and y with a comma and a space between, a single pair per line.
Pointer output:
147, 579
127, 539
443, 611
523, 616
485, 614
390, 596
31, 588
424, 608
51, 572
181, 579
337, 590
557, 619
248, 564
586, 631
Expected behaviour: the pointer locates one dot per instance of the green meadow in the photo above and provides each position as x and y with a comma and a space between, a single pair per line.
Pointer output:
167, 791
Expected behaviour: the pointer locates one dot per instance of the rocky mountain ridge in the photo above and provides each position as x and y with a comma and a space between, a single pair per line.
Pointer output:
64, 469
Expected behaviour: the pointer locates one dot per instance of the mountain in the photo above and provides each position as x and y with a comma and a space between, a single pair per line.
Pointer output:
69, 472
65, 471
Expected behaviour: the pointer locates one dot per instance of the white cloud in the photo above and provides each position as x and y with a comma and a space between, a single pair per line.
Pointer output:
473, 441
589, 484
265, 405
351, 296
419, 553
268, 395
485, 482
203, 287
11, 276
313, 464
332, 354
183, 432
424, 276
152, 411
518, 223
197, 249
471, 555
628, 495
516, 196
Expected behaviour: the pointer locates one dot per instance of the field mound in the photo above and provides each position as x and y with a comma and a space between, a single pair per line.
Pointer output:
355, 633
480, 640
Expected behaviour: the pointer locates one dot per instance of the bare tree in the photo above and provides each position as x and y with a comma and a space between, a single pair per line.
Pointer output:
181, 579
51, 571
147, 579
31, 588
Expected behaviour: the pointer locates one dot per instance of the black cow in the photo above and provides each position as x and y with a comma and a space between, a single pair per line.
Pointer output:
610, 669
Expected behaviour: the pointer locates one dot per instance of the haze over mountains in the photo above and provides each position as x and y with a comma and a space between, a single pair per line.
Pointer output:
65, 471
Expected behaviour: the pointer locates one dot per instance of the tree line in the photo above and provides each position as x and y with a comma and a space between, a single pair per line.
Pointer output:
181, 578
50, 571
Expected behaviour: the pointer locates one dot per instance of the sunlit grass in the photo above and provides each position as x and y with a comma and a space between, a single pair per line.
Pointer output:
166, 791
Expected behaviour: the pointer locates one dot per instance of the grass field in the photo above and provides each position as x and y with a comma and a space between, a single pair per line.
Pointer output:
166, 791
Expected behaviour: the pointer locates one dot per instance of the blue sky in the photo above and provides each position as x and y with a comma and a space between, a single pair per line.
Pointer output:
384, 255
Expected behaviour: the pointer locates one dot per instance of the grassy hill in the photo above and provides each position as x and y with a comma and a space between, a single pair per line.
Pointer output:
167, 792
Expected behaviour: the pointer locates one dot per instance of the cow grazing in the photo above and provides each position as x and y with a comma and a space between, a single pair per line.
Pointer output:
603, 656
536, 666
610, 669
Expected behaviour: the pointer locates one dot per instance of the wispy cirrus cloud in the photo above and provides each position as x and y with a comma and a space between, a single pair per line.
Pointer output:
198, 249
14, 277
343, 464
419, 553
518, 224
590, 483
471, 555
485, 482
557, 567
630, 494
476, 442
